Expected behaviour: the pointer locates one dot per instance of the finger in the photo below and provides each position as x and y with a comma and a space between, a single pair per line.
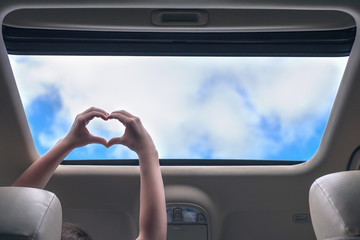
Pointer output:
104, 115
86, 116
120, 116
91, 115
113, 141
125, 113
94, 109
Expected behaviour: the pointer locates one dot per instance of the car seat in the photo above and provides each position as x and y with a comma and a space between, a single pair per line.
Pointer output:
335, 206
29, 213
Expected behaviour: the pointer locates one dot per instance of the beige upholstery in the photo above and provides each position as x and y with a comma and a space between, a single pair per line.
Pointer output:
335, 206
29, 213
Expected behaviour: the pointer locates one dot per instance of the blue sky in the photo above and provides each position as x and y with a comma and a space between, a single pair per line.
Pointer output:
216, 108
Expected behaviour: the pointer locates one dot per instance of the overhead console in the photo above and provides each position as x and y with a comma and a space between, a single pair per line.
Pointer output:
186, 221
179, 20
181, 32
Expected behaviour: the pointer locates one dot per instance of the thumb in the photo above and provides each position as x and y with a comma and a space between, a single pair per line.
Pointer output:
113, 141
99, 140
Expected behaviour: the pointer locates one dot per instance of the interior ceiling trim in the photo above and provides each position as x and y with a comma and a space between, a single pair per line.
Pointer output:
142, 19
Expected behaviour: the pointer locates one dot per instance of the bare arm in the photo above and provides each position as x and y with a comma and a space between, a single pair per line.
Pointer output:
39, 173
152, 220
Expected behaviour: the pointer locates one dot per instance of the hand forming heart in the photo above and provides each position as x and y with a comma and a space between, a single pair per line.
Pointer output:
135, 136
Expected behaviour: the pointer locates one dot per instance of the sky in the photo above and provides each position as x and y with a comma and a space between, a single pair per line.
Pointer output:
272, 108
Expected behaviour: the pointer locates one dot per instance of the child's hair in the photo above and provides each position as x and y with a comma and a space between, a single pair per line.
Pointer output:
73, 232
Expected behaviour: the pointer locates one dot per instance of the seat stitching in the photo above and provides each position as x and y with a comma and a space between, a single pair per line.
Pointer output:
43, 217
332, 204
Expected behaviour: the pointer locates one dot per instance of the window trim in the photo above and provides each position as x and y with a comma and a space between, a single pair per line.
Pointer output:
184, 162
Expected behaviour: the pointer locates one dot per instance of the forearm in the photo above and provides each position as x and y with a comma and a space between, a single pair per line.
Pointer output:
153, 222
39, 173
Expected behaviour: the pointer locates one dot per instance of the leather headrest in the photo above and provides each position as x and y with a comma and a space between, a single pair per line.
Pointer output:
334, 205
29, 213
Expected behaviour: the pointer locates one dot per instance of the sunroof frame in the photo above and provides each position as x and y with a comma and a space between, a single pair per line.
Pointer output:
330, 43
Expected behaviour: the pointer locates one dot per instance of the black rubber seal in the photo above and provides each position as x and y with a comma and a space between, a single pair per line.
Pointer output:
69, 42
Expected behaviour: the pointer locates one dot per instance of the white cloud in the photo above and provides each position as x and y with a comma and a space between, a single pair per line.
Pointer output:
165, 93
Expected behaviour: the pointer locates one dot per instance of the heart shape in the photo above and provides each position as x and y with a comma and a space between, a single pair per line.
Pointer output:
106, 129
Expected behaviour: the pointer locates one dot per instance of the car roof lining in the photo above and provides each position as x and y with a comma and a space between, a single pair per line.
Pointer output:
179, 20
178, 32
337, 131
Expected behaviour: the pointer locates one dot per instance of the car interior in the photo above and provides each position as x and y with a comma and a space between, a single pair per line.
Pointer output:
304, 196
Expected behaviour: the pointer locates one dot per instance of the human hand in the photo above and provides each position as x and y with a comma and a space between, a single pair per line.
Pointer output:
135, 137
79, 135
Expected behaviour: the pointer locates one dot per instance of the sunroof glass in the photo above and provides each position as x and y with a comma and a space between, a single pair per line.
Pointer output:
263, 108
